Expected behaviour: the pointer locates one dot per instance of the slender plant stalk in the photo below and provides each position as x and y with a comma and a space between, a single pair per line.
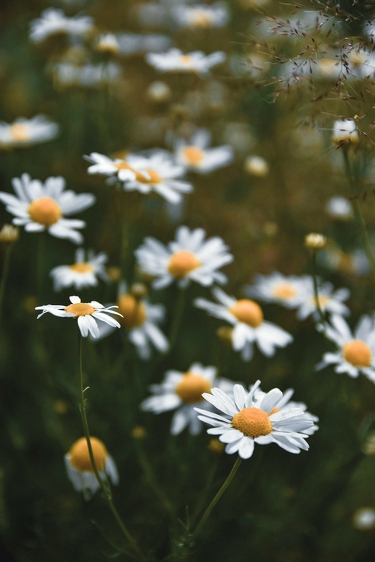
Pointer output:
177, 318
103, 484
207, 513
8, 251
358, 211
316, 289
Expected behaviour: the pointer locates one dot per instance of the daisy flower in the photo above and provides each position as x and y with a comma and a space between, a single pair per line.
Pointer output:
247, 421
26, 132
65, 74
249, 326
355, 353
329, 301
118, 168
182, 392
83, 273
86, 314
39, 207
79, 468
345, 132
53, 21
339, 208
175, 61
200, 16
289, 291
286, 404
188, 258
140, 319
196, 156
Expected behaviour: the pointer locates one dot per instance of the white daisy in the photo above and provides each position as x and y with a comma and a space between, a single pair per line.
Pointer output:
249, 326
188, 258
247, 422
140, 319
39, 207
339, 208
174, 60
83, 273
79, 468
345, 132
135, 43
86, 314
201, 16
285, 404
355, 353
26, 132
289, 291
54, 21
65, 74
182, 392
118, 168
329, 301
196, 156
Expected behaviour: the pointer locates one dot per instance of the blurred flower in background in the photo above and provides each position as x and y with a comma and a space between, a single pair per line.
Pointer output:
82, 273
26, 132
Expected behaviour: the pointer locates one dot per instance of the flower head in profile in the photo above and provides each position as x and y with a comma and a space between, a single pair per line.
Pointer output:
82, 273
195, 155
188, 258
249, 326
330, 301
86, 314
201, 16
26, 132
345, 132
287, 290
247, 421
355, 352
140, 319
53, 21
40, 207
79, 468
182, 392
175, 60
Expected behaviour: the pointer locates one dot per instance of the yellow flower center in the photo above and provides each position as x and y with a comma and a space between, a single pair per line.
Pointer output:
44, 211
122, 166
133, 311
248, 312
81, 268
191, 387
201, 18
185, 60
19, 132
80, 458
153, 178
323, 301
357, 353
182, 262
193, 155
284, 291
253, 422
80, 309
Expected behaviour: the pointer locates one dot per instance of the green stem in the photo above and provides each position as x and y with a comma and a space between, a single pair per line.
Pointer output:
103, 484
8, 250
207, 513
358, 211
177, 318
316, 289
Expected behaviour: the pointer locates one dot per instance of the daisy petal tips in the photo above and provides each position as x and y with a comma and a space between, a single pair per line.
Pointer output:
86, 314
246, 420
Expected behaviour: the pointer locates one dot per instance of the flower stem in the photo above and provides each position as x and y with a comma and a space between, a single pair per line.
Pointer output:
4, 276
177, 318
316, 289
207, 513
103, 484
358, 211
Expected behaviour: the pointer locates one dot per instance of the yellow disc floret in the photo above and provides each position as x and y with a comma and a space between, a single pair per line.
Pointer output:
191, 387
19, 132
182, 262
193, 155
80, 458
357, 353
44, 211
80, 309
148, 176
253, 422
132, 310
82, 268
248, 312
284, 291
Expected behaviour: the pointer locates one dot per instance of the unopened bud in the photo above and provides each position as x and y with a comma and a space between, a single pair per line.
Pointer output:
315, 241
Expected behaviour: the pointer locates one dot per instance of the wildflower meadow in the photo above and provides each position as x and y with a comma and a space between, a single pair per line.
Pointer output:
187, 290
